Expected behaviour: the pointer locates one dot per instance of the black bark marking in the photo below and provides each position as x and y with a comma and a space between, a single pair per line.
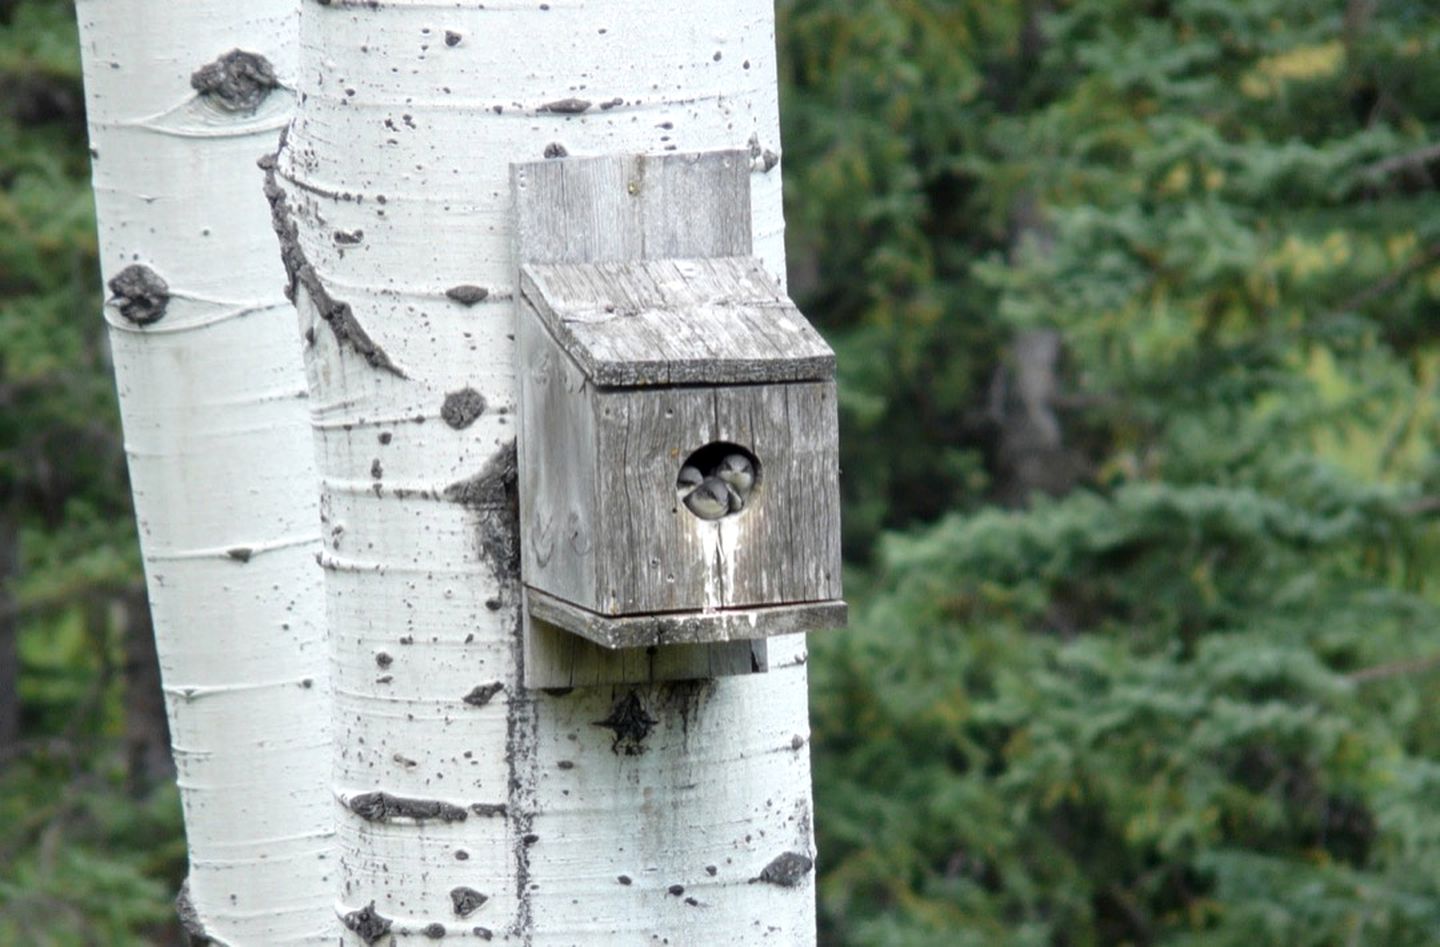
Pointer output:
383, 807
467, 294
494, 496
787, 870
452, 38
484, 933
555, 150
522, 726
367, 923
349, 238
487, 809
625, 880
466, 901
236, 82
240, 553
482, 694
337, 315
194, 930
607, 106
630, 723
685, 699
462, 407
676, 890
434, 930
569, 106
140, 294
377, 470
762, 158
383, 659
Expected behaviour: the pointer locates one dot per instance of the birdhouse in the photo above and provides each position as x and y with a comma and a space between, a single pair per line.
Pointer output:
678, 471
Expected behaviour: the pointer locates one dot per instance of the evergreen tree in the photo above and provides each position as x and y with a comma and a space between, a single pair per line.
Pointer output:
1186, 702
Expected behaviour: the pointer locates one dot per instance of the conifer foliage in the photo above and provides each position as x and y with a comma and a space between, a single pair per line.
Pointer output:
1189, 697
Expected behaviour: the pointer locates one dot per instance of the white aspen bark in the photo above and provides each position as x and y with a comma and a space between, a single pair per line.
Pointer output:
212, 397
467, 806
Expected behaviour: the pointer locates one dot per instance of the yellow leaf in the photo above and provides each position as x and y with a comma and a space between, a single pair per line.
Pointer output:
1305, 62
1177, 181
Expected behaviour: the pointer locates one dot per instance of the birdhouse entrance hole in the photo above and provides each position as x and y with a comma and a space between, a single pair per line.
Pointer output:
718, 481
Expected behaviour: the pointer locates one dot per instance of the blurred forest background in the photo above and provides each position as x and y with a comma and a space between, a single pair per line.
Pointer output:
1138, 311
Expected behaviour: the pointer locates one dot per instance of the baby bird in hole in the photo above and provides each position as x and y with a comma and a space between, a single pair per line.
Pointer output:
737, 471
713, 499
690, 478
722, 492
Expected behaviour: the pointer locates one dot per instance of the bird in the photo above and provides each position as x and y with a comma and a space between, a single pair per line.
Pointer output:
690, 478
713, 499
737, 471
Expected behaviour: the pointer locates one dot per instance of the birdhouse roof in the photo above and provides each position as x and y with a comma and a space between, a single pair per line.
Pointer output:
638, 323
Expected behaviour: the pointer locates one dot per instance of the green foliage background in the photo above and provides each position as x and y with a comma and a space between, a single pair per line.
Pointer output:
86, 855
1190, 699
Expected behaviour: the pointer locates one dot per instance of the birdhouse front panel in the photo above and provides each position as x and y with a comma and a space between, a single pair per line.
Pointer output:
766, 542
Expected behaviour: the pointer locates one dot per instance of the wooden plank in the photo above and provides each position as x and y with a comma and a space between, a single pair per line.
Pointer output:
556, 658
627, 634
632, 207
797, 426
557, 466
658, 557
676, 322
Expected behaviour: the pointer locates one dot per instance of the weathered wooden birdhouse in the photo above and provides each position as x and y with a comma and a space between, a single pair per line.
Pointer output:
678, 471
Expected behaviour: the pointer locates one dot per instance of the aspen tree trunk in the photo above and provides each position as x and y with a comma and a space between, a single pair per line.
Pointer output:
182, 98
466, 805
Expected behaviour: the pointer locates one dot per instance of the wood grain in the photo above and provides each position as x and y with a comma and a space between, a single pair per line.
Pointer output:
560, 658
676, 322
629, 632
657, 556
645, 333
632, 207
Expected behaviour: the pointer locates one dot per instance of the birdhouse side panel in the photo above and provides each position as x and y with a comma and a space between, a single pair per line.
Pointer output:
557, 468
781, 546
